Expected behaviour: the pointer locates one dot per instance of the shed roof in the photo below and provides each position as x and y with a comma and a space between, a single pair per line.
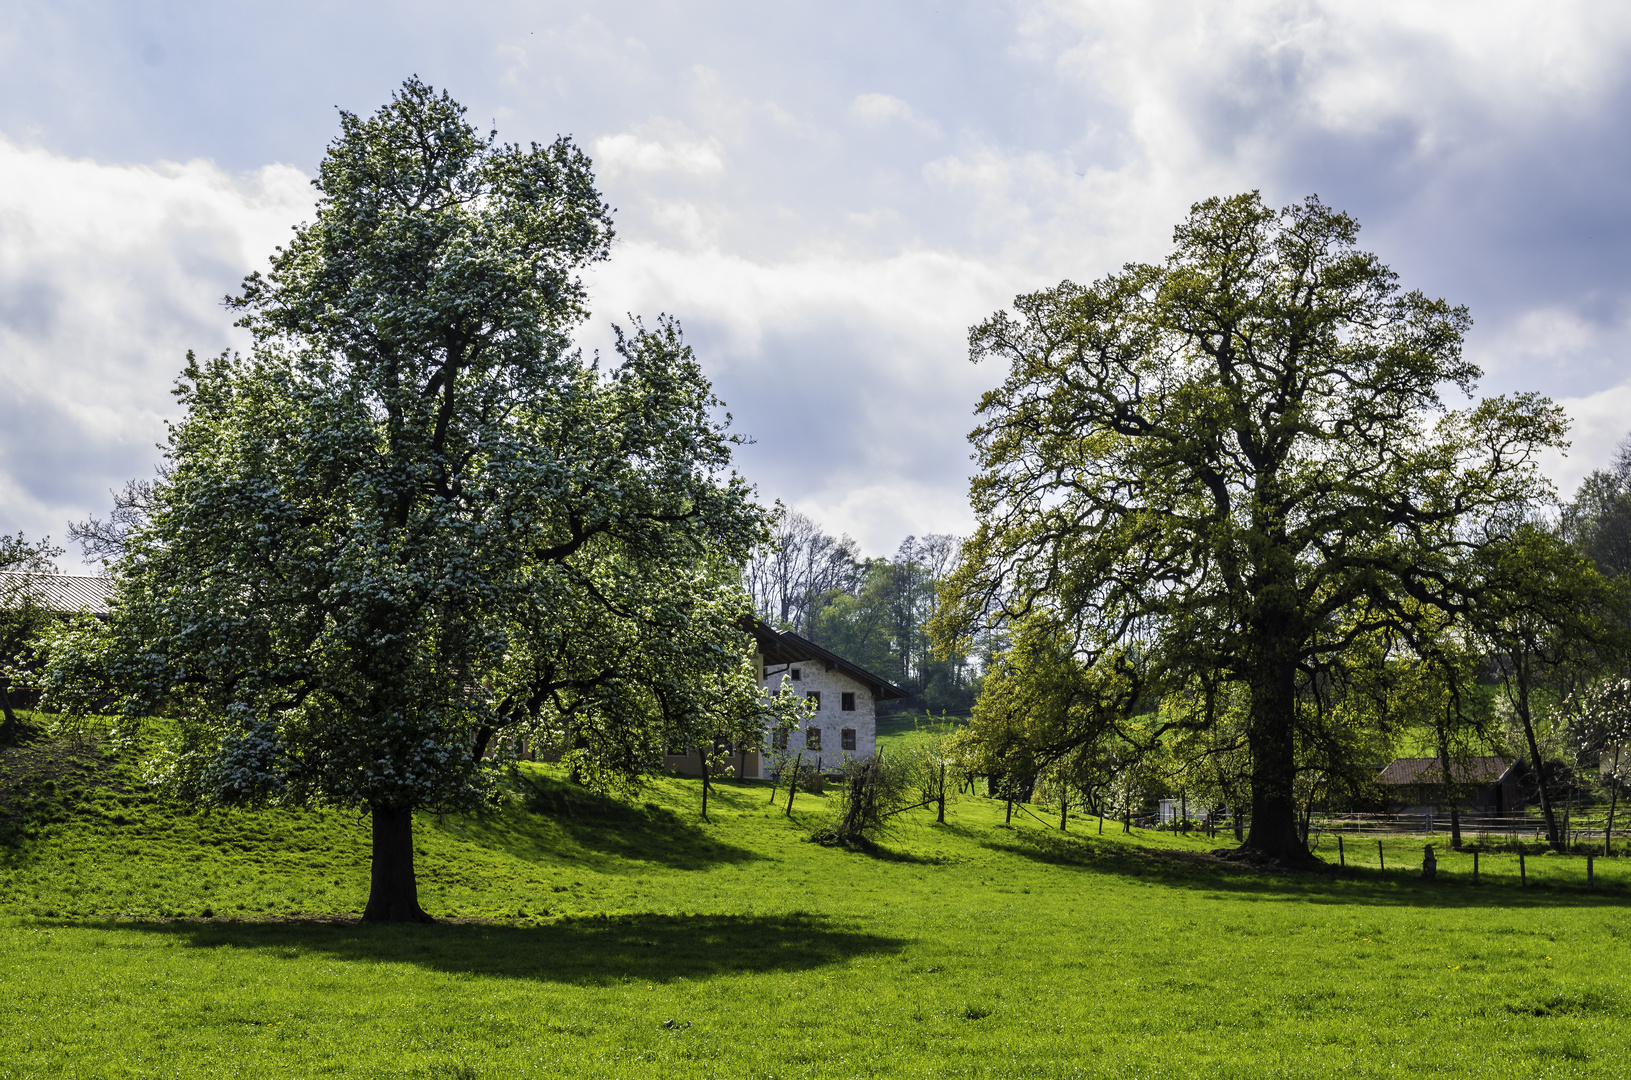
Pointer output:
61, 592
1426, 770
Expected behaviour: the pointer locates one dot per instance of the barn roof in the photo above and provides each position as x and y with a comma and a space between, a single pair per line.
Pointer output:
61, 592
1426, 770
786, 647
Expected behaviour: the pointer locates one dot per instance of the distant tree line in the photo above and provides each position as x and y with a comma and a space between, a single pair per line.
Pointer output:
872, 611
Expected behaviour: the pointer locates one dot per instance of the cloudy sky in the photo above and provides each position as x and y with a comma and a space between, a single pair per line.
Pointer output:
826, 194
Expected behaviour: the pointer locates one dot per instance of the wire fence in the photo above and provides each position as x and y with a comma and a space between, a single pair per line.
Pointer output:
1400, 855
1582, 832
1496, 849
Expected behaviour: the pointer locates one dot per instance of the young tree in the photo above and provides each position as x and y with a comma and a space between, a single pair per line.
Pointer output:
24, 613
872, 790
1226, 460
1542, 611
1602, 723
415, 519
932, 764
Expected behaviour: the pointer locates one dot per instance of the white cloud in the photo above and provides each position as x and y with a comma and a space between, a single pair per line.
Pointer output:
108, 274
628, 152
879, 110
1600, 421
850, 373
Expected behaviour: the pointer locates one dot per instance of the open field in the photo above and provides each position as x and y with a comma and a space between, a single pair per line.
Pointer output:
903, 730
138, 940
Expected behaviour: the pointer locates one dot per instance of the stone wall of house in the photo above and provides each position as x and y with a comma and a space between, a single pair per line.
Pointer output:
830, 718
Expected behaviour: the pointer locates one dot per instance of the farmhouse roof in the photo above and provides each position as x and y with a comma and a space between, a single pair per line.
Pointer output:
1426, 770
61, 592
785, 647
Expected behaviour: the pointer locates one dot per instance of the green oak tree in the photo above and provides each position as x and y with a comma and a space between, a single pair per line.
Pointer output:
1234, 462
415, 525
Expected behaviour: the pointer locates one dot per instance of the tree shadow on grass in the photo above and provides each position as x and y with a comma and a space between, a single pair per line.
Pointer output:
588, 951
1323, 884
550, 819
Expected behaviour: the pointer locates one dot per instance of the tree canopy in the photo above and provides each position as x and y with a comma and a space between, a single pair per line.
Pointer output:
415, 523
1218, 472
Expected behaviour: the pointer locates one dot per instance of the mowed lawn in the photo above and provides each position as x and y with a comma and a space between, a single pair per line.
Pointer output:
625, 938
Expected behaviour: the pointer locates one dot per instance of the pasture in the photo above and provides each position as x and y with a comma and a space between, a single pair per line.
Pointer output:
585, 936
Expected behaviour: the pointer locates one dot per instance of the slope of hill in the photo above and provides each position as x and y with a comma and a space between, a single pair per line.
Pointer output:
618, 938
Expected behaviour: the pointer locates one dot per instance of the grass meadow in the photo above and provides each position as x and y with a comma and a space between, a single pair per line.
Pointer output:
584, 936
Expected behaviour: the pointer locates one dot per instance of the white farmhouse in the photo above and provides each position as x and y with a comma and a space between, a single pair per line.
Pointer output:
845, 724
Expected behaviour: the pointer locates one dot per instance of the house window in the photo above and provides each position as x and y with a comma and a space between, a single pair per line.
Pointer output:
793, 674
778, 739
846, 701
815, 696
812, 739
846, 738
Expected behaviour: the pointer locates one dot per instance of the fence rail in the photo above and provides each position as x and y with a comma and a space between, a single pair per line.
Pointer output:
1585, 832
1581, 830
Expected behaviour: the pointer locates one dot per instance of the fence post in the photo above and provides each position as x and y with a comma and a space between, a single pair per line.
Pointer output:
1381, 858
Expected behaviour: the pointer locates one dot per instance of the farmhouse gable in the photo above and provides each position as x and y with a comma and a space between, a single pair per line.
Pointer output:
845, 722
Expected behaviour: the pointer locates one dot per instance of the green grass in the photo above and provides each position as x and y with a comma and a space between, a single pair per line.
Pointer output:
140, 940
903, 730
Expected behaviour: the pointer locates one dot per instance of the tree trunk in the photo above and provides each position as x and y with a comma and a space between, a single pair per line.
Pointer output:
393, 893
940, 818
1568, 812
703, 757
1613, 801
1274, 830
793, 784
1063, 807
1522, 675
1450, 799
10, 726
484, 735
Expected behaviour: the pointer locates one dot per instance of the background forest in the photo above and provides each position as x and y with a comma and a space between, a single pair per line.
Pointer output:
872, 611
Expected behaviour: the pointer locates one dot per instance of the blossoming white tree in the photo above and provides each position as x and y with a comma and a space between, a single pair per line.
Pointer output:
415, 523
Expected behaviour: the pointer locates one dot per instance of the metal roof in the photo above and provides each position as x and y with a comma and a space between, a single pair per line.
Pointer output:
1426, 770
61, 592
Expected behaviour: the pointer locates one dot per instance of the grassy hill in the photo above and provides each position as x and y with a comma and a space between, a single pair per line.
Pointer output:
589, 936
